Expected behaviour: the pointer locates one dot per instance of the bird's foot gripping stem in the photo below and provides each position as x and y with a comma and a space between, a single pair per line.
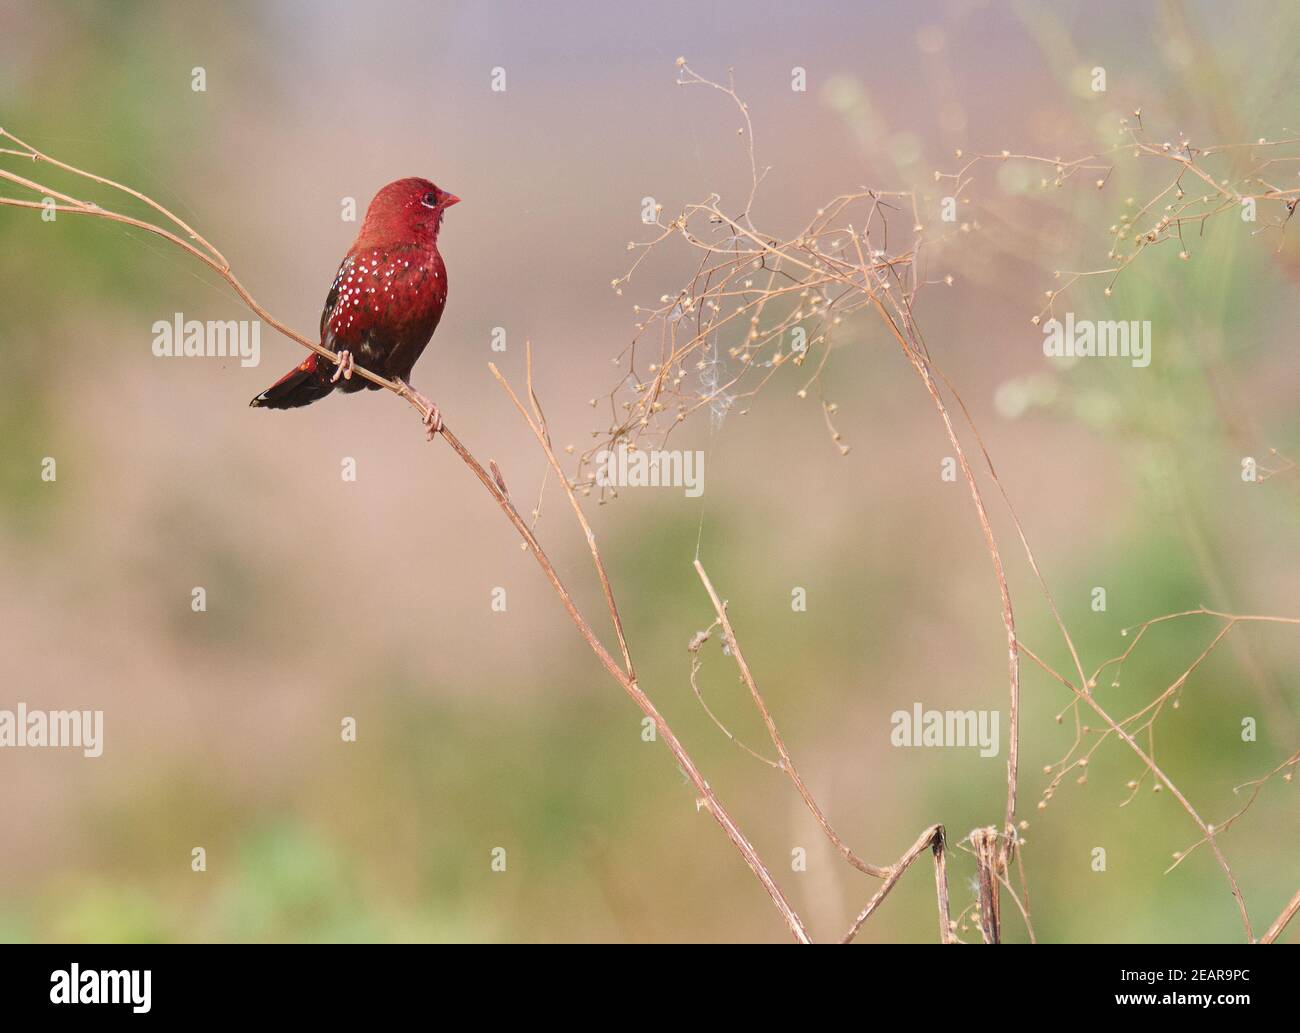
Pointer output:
432, 417
343, 368
433, 421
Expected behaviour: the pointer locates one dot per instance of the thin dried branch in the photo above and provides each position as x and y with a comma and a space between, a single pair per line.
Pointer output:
933, 838
1280, 923
985, 844
693, 647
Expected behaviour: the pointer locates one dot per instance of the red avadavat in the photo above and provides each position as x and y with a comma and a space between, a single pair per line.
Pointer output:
384, 303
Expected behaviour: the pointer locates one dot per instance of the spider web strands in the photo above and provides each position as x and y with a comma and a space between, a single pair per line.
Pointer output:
734, 294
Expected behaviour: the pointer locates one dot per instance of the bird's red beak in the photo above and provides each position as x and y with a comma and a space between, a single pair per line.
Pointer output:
450, 199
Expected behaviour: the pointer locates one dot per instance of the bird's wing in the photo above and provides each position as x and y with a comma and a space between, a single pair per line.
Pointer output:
331, 302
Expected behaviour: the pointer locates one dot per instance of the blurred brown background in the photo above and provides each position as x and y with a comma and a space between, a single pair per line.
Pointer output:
480, 729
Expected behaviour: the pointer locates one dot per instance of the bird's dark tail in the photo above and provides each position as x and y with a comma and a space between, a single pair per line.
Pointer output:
302, 385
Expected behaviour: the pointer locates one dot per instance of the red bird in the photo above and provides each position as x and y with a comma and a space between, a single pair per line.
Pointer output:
384, 303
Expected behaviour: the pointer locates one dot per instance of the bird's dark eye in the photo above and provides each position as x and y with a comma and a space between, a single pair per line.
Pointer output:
429, 200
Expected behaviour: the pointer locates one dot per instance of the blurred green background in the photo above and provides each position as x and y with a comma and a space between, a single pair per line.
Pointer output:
480, 729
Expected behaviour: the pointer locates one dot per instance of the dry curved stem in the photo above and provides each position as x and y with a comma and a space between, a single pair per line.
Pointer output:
985, 845
689, 77
696, 664
493, 482
1021, 906
933, 838
537, 424
787, 762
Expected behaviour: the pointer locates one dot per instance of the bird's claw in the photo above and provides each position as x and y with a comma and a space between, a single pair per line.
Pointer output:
344, 367
432, 417
433, 421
